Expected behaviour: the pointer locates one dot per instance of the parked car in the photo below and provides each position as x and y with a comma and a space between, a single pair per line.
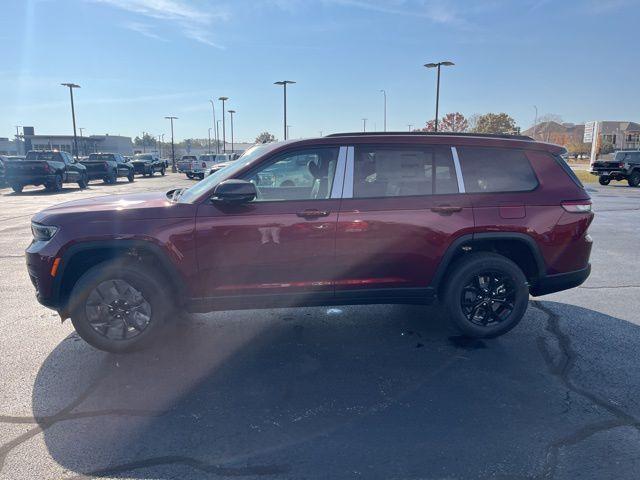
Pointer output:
185, 164
50, 168
478, 222
229, 159
108, 167
624, 166
147, 164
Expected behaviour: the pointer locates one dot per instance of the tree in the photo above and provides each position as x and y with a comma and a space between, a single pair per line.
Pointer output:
497, 123
453, 122
265, 137
578, 148
149, 141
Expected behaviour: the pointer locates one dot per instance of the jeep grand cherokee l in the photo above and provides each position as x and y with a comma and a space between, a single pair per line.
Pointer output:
479, 223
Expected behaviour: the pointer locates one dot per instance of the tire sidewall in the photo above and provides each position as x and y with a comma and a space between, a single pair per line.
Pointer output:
141, 279
462, 273
634, 179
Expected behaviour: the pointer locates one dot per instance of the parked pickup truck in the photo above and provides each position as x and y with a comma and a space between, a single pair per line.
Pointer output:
624, 166
50, 168
185, 164
108, 167
147, 164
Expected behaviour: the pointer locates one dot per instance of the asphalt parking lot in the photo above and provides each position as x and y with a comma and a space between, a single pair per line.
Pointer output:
372, 392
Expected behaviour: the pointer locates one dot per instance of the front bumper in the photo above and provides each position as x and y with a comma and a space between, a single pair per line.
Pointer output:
560, 281
141, 168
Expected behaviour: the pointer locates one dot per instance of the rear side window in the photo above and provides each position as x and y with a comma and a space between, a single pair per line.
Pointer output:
567, 169
381, 171
487, 170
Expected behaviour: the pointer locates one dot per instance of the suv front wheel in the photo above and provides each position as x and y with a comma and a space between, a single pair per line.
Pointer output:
119, 307
486, 295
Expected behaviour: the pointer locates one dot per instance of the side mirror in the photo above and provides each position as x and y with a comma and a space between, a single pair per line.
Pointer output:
234, 191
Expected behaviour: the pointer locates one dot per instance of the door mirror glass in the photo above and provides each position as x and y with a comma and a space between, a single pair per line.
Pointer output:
234, 191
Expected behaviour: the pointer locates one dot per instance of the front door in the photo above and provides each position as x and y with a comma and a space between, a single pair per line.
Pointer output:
282, 244
401, 210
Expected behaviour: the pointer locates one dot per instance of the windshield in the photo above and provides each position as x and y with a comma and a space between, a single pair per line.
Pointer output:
98, 157
42, 156
143, 157
206, 185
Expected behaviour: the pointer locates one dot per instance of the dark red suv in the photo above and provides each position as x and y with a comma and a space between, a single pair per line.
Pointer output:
478, 222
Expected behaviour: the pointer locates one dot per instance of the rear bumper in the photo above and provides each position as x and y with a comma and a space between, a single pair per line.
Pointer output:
560, 281
30, 179
609, 173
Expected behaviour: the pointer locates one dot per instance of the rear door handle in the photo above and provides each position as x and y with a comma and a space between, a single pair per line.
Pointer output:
446, 209
313, 213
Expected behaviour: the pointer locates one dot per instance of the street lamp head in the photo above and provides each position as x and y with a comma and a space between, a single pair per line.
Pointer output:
171, 118
434, 65
70, 85
284, 82
231, 111
223, 98
447, 64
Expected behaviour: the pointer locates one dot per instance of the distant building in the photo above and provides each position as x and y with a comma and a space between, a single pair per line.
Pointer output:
11, 147
618, 135
86, 144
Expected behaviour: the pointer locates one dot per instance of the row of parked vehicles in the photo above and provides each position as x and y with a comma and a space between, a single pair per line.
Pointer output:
200, 166
52, 169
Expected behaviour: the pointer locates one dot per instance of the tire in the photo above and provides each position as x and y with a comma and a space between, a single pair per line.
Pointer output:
634, 179
131, 176
485, 273
84, 181
101, 311
162, 171
190, 176
17, 187
604, 180
112, 179
55, 185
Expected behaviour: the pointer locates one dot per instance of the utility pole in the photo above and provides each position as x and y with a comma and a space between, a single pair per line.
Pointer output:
71, 86
385, 109
438, 65
284, 83
535, 122
215, 125
173, 150
217, 136
224, 135
410, 126
364, 125
231, 112
209, 140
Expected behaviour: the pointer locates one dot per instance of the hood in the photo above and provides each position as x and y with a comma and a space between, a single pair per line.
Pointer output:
140, 206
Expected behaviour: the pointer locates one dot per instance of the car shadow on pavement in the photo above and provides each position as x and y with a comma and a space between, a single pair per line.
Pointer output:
366, 392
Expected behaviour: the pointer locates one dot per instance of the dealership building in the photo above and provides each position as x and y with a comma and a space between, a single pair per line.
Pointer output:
86, 144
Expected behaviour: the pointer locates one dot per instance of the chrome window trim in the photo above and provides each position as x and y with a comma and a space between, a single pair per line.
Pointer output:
338, 176
456, 164
347, 191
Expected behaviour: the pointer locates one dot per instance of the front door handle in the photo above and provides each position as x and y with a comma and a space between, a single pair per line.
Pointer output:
446, 209
313, 213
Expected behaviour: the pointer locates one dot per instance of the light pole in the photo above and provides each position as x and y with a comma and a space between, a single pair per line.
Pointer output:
213, 109
160, 146
173, 150
18, 127
231, 112
209, 139
288, 130
71, 86
217, 136
364, 125
438, 65
284, 83
84, 148
535, 122
143, 149
224, 135
410, 126
385, 109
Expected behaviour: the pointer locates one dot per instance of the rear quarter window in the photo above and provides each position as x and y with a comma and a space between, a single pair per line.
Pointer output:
492, 170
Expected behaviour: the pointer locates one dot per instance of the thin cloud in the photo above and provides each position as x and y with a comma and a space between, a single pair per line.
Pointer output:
143, 29
194, 22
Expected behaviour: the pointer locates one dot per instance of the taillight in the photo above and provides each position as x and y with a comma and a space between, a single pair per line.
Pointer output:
577, 207
204, 165
621, 165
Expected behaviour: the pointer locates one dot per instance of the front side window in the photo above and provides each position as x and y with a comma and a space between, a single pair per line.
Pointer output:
301, 175
403, 171
487, 170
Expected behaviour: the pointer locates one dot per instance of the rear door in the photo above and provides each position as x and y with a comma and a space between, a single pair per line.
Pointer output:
402, 208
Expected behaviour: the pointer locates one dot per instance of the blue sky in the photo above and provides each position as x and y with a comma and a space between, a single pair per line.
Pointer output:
139, 60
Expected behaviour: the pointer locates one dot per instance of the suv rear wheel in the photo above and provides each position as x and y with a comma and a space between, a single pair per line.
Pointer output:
119, 307
634, 179
604, 180
486, 295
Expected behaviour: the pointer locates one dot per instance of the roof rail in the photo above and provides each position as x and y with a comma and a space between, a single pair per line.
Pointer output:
433, 134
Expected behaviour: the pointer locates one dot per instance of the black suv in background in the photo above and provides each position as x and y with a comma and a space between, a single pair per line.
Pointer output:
147, 164
624, 166
108, 167
50, 168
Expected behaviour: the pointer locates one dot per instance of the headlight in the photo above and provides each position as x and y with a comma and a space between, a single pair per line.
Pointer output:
43, 233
